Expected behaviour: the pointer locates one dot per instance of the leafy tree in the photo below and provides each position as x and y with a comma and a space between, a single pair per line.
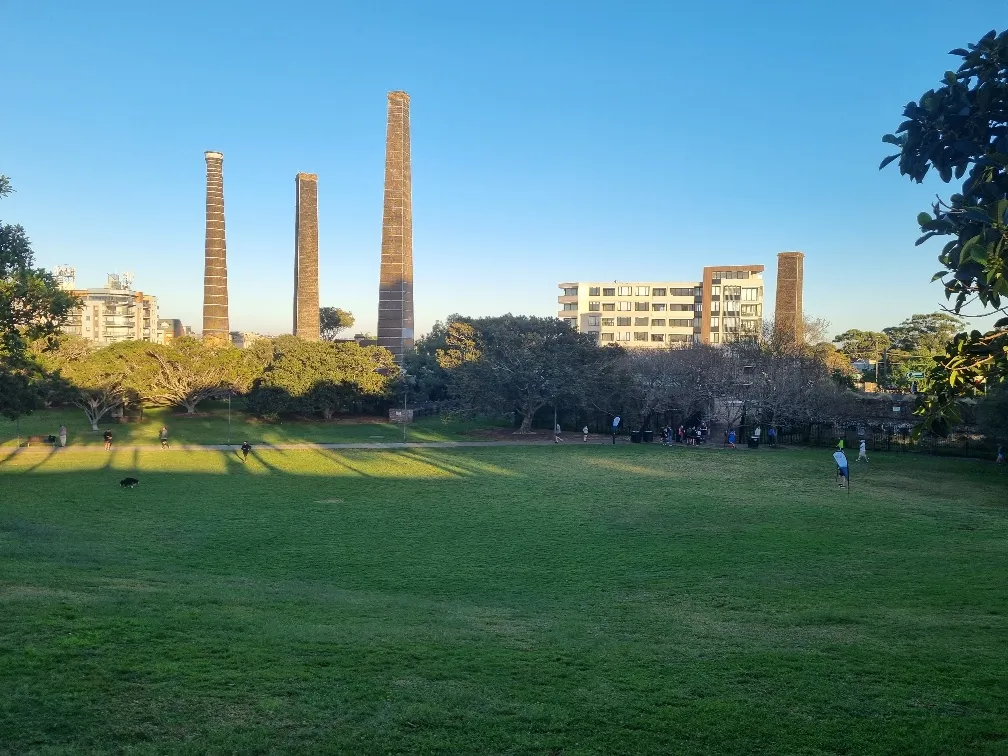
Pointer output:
32, 307
430, 380
516, 363
98, 378
310, 377
862, 345
961, 129
924, 334
333, 320
189, 371
992, 412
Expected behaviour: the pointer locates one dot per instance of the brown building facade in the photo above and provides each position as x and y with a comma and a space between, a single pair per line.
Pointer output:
395, 289
215, 289
788, 322
306, 270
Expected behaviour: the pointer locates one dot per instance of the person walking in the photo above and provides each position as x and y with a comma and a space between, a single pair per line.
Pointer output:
108, 440
585, 432
861, 453
843, 472
164, 437
731, 438
556, 434
62, 435
246, 447
1000, 455
839, 445
771, 435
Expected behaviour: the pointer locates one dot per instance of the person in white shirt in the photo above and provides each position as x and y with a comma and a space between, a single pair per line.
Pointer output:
862, 454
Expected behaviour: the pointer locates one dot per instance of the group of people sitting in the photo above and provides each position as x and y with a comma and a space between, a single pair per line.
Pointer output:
695, 434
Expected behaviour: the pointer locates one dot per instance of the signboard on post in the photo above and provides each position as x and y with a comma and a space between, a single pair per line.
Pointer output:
915, 374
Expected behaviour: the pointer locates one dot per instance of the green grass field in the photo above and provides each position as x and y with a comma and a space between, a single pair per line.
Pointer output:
572, 599
211, 427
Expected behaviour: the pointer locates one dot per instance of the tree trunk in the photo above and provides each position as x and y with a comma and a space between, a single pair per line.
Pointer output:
526, 424
190, 406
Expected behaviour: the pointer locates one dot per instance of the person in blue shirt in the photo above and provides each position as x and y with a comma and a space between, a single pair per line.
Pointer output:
842, 470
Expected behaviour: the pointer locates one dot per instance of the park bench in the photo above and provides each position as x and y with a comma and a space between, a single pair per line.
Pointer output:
51, 440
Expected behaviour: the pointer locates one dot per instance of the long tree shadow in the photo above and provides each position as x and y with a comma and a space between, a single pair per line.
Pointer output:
341, 461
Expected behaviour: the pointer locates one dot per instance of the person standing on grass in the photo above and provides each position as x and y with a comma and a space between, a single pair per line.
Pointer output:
556, 434
164, 437
585, 432
246, 447
1000, 455
861, 453
731, 438
62, 435
842, 471
839, 445
771, 435
108, 440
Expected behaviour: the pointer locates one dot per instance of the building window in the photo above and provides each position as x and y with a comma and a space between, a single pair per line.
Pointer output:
641, 306
607, 337
570, 305
752, 310
622, 335
594, 306
624, 306
682, 292
593, 320
658, 307
658, 292
570, 292
731, 306
623, 321
750, 326
732, 292
750, 294
680, 324
624, 291
642, 291
658, 323
87, 318
594, 291
678, 338
641, 321
731, 324
715, 323
715, 291
608, 307
640, 336
657, 337
572, 322
715, 338
608, 321
715, 306
608, 292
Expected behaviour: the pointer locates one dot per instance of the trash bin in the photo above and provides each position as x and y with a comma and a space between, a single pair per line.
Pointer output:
754, 442
635, 437
648, 436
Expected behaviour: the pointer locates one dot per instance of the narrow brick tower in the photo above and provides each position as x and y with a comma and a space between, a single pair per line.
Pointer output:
215, 290
306, 294
395, 289
788, 324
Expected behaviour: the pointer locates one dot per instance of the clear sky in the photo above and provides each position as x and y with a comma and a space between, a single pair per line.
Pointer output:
552, 141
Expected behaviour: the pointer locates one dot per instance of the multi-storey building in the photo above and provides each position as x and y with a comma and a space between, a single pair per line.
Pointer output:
169, 329
726, 303
114, 313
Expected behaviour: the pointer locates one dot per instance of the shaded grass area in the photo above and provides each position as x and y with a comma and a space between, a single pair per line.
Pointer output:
569, 599
210, 426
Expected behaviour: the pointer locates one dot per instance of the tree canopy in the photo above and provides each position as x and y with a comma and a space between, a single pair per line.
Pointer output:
960, 129
332, 321
32, 308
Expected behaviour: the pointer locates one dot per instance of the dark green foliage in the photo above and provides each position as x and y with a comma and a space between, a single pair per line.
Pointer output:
332, 321
961, 130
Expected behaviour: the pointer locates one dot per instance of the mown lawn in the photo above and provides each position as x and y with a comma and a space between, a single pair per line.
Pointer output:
563, 599
210, 426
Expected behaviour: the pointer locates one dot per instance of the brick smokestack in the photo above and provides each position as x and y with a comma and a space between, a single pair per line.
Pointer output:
395, 290
306, 289
788, 323
215, 291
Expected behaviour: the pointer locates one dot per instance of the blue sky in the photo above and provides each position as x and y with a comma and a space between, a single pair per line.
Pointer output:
552, 141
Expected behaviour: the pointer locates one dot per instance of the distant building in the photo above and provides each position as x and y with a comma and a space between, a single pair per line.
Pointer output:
245, 339
114, 313
726, 303
169, 329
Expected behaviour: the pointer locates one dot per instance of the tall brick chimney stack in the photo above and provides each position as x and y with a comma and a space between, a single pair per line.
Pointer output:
215, 291
788, 323
395, 289
306, 290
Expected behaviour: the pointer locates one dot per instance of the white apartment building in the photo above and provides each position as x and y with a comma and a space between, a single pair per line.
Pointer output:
728, 302
114, 313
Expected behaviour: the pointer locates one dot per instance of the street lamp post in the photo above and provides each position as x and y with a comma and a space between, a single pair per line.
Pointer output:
229, 418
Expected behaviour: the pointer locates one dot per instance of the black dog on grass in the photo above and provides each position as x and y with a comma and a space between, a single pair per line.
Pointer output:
128, 482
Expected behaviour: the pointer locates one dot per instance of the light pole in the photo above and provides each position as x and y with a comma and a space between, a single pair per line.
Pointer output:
229, 418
